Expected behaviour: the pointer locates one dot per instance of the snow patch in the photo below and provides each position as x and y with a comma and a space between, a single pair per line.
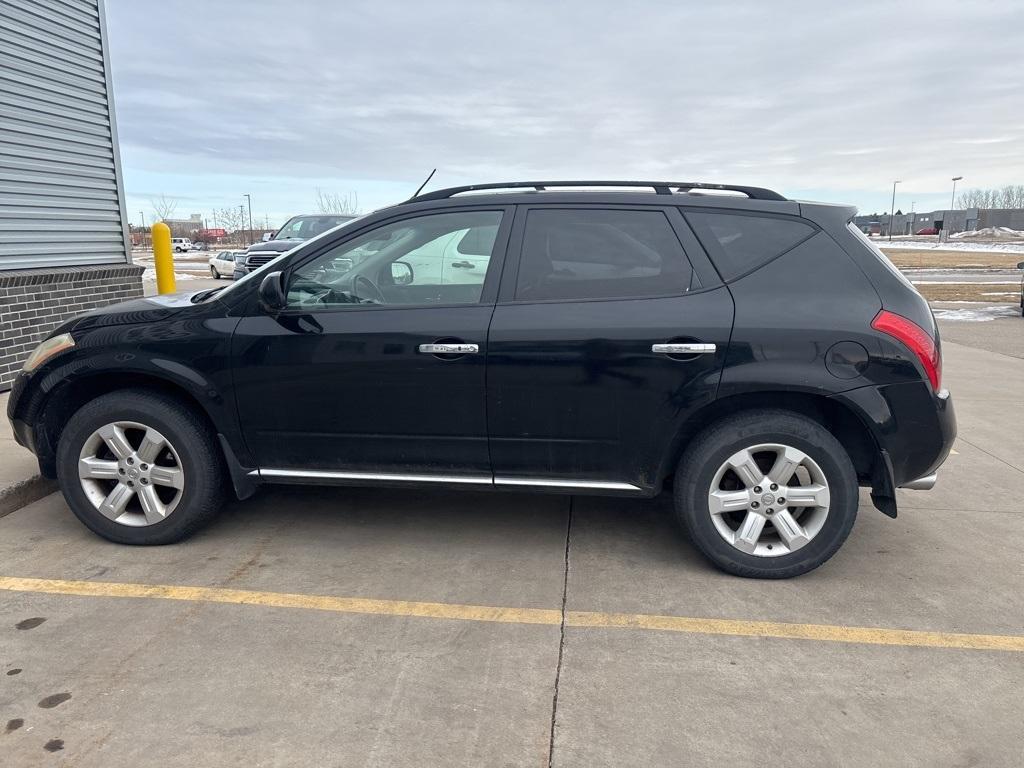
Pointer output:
150, 274
996, 233
917, 245
966, 282
975, 315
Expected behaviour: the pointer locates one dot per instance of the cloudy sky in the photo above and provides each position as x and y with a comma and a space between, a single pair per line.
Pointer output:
820, 100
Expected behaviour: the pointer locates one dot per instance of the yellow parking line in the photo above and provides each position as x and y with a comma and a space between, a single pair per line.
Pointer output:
285, 600
549, 617
824, 632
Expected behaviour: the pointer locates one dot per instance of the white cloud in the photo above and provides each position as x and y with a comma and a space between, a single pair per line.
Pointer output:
837, 100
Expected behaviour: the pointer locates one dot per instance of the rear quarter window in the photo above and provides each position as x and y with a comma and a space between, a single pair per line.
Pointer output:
880, 256
739, 243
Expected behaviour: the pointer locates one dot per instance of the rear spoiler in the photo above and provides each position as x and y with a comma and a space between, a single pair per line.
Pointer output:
828, 214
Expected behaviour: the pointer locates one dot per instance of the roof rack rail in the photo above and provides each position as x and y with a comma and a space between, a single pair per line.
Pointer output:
660, 187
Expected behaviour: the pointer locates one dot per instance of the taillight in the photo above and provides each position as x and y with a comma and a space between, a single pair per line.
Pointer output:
915, 338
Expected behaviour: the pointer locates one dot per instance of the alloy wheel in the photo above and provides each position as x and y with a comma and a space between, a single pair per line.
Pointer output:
769, 499
131, 473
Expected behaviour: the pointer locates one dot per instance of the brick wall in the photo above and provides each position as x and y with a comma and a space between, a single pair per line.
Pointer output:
35, 301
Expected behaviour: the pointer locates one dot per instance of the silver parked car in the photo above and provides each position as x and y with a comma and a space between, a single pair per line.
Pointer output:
222, 264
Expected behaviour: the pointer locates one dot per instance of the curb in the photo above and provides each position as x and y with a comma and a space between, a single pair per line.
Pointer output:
24, 492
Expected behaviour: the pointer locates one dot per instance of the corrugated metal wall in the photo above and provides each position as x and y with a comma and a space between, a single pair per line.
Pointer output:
60, 193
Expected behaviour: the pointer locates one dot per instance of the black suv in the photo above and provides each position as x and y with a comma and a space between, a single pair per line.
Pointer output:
756, 355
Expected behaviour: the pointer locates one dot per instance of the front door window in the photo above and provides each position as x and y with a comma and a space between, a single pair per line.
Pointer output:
428, 260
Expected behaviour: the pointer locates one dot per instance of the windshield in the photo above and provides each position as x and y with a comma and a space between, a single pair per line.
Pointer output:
305, 227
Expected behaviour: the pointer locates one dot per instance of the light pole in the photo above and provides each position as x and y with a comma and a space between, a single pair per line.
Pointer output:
892, 208
241, 213
142, 229
952, 200
249, 200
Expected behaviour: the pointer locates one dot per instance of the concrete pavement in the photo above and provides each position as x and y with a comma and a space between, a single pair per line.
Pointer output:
1003, 336
169, 680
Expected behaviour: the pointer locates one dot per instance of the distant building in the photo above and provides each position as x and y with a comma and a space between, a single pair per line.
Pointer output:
1001, 217
964, 220
186, 227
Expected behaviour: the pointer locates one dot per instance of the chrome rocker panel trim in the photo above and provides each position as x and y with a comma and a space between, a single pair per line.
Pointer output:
387, 477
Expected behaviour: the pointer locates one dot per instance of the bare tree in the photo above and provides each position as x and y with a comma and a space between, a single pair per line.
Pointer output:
332, 202
232, 218
163, 206
1010, 196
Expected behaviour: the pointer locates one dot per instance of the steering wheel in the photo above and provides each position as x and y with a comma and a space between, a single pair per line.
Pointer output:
311, 292
373, 293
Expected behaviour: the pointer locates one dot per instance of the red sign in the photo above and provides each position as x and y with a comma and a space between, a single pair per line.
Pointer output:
212, 233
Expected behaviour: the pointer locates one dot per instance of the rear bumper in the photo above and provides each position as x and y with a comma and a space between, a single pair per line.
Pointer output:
913, 425
925, 483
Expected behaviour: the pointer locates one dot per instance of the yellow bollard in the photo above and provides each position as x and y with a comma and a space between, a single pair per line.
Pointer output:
163, 258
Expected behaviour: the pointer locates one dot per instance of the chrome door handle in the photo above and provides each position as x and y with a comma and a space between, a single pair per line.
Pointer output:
449, 349
693, 348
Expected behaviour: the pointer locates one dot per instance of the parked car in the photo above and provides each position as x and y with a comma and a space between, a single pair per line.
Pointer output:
927, 231
200, 247
222, 264
757, 356
295, 231
181, 244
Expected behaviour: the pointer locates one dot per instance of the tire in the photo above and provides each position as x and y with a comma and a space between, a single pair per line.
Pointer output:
215, 273
825, 478
188, 449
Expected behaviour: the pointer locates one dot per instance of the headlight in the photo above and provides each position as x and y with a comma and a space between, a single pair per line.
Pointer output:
240, 260
52, 346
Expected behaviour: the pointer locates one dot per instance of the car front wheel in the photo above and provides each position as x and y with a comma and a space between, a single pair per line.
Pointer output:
138, 467
766, 494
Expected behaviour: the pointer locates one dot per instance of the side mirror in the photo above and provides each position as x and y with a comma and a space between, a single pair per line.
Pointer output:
401, 273
272, 292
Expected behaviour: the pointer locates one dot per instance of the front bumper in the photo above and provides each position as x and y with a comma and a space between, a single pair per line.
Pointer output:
23, 427
17, 407
23, 434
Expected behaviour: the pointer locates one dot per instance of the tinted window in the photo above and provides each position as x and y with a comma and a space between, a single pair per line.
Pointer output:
600, 254
738, 243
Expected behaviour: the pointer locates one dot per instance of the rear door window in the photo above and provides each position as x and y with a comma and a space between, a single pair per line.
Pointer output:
739, 243
600, 254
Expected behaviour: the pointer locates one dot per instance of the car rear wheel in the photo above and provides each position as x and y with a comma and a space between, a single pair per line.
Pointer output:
214, 273
766, 494
139, 468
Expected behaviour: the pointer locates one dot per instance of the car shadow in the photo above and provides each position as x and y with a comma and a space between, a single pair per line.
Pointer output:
407, 514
